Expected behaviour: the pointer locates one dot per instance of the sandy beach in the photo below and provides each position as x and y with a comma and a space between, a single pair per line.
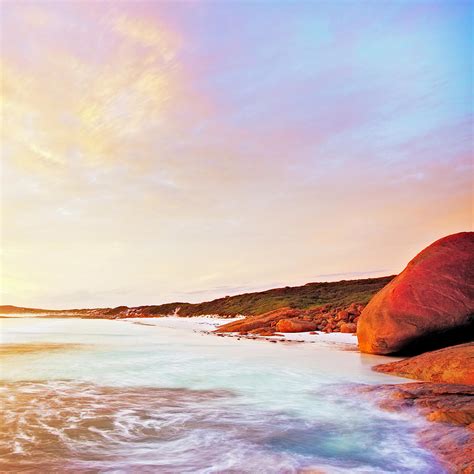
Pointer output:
208, 324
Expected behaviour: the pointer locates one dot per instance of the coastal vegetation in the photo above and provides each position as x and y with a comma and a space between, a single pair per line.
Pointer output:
305, 297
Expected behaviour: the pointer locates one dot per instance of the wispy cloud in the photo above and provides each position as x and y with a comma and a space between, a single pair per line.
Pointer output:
170, 148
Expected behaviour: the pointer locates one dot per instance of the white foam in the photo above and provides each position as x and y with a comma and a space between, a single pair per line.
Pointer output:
269, 399
195, 323
210, 323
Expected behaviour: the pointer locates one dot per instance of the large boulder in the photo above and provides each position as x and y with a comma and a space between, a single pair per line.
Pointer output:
429, 305
449, 365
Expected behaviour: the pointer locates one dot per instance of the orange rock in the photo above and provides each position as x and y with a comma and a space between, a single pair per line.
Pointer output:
348, 328
450, 405
295, 325
456, 417
342, 315
449, 365
262, 332
352, 308
429, 305
261, 321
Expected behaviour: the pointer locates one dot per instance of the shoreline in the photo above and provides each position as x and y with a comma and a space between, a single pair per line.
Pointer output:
446, 431
209, 324
446, 441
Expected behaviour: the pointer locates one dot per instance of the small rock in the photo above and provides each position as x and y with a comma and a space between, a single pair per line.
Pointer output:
348, 328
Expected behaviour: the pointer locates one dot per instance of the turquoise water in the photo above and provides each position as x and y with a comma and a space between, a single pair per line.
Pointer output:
115, 396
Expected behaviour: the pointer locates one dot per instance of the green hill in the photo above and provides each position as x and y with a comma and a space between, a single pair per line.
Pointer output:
311, 295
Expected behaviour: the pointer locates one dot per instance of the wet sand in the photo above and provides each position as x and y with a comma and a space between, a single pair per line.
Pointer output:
36, 348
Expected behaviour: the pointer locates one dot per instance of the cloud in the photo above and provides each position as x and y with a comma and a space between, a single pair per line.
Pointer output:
66, 109
149, 34
151, 146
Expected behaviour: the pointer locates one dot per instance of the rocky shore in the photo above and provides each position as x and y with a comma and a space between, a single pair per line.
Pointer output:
449, 408
288, 320
430, 305
446, 398
453, 365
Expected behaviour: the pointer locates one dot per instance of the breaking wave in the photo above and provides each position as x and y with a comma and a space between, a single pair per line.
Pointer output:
66, 426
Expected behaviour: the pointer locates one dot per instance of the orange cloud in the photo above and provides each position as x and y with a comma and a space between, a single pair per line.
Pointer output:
66, 107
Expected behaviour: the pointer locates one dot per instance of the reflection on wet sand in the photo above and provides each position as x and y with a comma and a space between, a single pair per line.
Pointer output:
36, 347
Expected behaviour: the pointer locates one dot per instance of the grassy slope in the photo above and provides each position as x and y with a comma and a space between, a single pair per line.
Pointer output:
311, 295
341, 293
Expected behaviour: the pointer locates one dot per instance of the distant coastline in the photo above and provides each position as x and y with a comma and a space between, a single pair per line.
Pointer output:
308, 296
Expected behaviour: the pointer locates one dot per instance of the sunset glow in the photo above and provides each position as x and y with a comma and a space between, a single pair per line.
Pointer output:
156, 152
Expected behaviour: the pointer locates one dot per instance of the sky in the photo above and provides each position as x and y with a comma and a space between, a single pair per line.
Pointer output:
180, 151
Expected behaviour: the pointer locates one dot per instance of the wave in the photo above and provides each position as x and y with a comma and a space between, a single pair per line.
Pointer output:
67, 426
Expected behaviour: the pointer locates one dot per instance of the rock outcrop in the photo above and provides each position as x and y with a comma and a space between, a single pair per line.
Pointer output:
295, 325
450, 403
428, 306
264, 321
450, 406
449, 365
322, 318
